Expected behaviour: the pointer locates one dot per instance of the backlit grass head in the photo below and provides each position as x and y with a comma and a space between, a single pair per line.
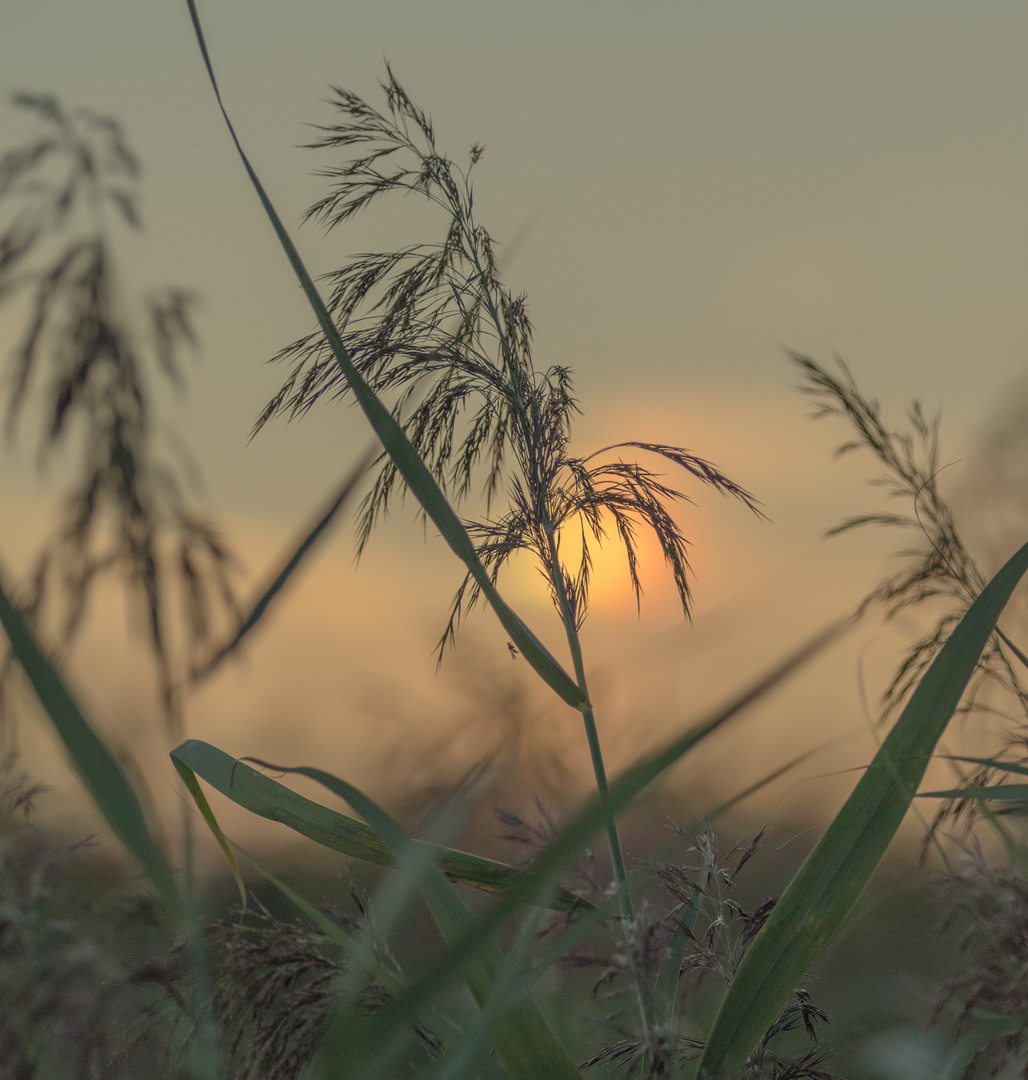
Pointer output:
433, 328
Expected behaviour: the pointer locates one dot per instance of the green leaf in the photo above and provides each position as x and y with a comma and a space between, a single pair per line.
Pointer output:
994, 793
834, 875
103, 777
414, 471
524, 1043
189, 779
267, 798
546, 867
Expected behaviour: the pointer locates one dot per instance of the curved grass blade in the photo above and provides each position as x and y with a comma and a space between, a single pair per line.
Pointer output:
414, 471
188, 778
101, 774
834, 875
448, 968
531, 883
263, 796
524, 1043
267, 798
508, 987
309, 539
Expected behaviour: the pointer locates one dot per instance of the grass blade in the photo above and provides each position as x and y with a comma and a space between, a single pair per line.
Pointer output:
263, 796
267, 798
527, 886
524, 1043
834, 875
309, 539
193, 787
414, 471
992, 763
546, 867
507, 988
101, 774
991, 793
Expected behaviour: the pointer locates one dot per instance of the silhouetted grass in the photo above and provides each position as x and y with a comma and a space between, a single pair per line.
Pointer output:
438, 353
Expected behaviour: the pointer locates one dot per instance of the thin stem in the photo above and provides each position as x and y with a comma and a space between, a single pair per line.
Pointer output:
556, 574
1012, 647
617, 858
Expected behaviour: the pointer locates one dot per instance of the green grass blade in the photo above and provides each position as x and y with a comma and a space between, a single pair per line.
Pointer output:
101, 774
414, 471
524, 1043
509, 985
188, 778
992, 763
309, 539
449, 968
531, 883
834, 875
121, 808
992, 793
545, 869
267, 798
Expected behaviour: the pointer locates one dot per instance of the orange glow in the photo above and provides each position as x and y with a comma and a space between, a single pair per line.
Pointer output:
610, 583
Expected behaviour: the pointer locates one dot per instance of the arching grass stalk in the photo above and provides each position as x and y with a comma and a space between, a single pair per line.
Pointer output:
556, 573
435, 323
557, 576
433, 327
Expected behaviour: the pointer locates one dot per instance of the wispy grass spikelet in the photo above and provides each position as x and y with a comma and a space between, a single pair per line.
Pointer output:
90, 359
940, 567
434, 328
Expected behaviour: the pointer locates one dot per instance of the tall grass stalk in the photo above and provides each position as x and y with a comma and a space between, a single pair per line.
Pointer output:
516, 407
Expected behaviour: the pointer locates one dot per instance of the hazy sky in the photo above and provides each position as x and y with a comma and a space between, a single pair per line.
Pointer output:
692, 186
703, 183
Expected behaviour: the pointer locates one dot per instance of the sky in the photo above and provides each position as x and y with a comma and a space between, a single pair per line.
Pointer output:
687, 190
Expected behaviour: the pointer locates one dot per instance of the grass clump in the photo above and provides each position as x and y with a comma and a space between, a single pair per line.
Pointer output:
87, 984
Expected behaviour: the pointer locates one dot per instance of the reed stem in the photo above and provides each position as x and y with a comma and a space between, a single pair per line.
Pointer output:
617, 858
